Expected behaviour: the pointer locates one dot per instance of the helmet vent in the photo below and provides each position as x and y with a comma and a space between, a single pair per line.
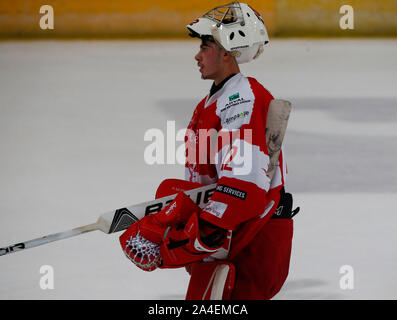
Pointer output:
241, 33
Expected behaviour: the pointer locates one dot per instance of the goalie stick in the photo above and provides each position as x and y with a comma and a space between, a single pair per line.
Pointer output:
121, 219
117, 220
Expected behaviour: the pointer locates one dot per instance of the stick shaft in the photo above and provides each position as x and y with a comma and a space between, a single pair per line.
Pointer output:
47, 239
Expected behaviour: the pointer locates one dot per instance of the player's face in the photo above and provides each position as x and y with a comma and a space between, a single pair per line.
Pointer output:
209, 60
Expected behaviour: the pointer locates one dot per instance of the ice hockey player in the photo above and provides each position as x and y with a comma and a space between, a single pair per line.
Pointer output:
238, 246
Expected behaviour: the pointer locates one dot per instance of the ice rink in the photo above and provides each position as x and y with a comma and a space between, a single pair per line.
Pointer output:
73, 115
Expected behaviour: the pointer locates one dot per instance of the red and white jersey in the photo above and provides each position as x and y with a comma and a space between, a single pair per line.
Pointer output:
237, 158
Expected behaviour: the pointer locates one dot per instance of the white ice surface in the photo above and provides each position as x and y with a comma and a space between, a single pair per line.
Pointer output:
72, 119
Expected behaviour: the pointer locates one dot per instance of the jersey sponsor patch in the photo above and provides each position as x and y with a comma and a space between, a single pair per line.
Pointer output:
238, 116
240, 194
234, 96
234, 100
215, 208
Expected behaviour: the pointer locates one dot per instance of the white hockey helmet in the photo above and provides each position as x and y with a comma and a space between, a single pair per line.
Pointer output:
236, 27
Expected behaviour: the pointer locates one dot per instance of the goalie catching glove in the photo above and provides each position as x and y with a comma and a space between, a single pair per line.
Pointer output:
171, 238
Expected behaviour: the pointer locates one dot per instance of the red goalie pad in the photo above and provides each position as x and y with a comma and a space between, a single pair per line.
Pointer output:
211, 281
263, 265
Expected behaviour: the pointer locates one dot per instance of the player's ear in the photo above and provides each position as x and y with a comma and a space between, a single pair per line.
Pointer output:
227, 56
